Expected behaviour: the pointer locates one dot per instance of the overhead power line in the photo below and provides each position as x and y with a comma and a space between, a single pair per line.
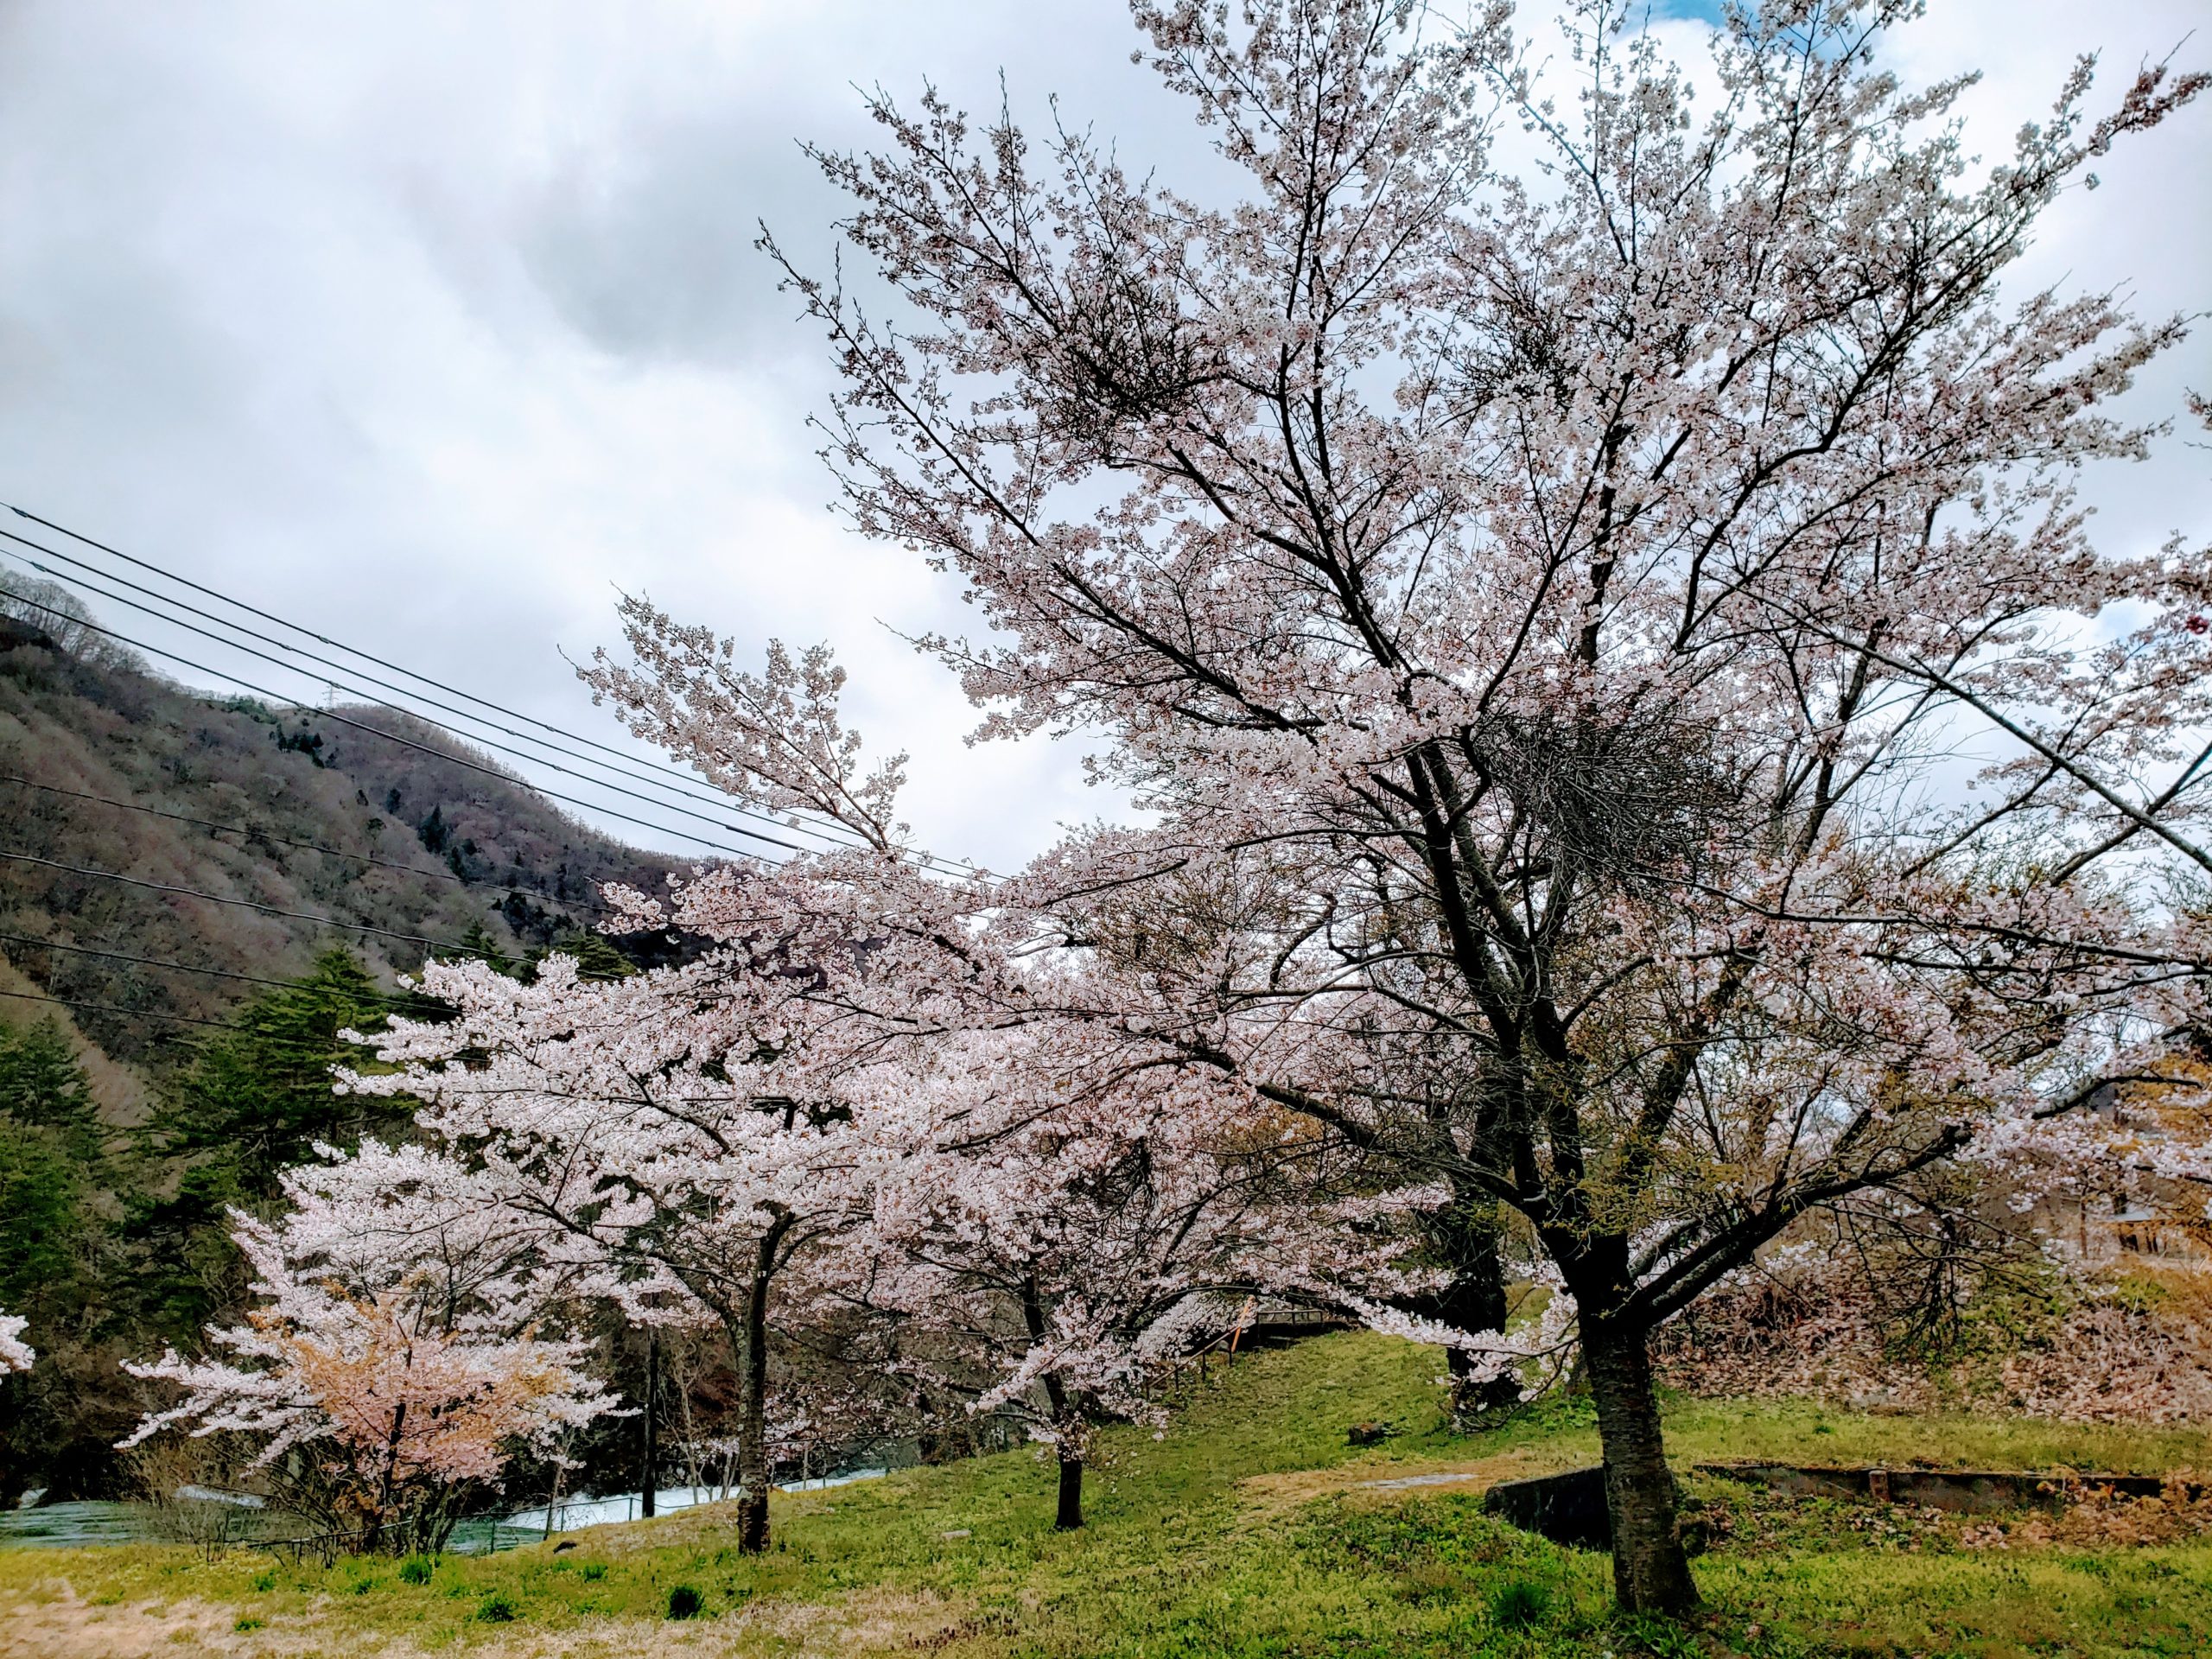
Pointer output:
354, 650
248, 904
687, 787
369, 697
110, 1007
252, 832
285, 662
280, 701
28, 943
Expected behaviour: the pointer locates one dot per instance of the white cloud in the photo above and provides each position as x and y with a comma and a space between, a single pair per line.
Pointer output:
427, 324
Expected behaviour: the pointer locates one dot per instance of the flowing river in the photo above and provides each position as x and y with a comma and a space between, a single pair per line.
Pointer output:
68, 1526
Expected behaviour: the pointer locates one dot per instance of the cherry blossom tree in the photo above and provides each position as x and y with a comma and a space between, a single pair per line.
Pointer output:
1538, 610
1068, 1217
702, 1135
16, 1354
684, 1131
396, 1361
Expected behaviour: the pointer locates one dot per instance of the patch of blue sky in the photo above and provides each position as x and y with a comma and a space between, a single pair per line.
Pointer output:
1700, 11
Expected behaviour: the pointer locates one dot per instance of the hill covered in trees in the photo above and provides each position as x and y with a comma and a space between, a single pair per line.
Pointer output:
197, 896
408, 844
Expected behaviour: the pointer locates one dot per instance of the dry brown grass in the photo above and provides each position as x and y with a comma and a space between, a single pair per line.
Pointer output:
64, 1625
67, 1626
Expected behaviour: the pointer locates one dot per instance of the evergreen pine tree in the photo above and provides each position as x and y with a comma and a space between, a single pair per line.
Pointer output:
254, 1101
55, 1263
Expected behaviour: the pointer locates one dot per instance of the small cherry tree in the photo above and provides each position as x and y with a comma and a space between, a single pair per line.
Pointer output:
678, 1131
1066, 1214
397, 1360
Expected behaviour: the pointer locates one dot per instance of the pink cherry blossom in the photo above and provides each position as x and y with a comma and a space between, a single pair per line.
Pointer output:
1539, 614
16, 1354
396, 1348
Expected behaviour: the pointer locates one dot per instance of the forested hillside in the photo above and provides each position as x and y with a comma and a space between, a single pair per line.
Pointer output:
406, 844
196, 896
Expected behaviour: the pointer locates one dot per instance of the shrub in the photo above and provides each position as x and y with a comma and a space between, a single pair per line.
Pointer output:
417, 1569
496, 1609
1517, 1603
684, 1601
592, 1572
172, 1479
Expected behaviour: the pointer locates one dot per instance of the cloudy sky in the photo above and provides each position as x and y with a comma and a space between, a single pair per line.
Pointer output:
430, 322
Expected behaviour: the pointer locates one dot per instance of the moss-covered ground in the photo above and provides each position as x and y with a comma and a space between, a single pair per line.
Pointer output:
1250, 1527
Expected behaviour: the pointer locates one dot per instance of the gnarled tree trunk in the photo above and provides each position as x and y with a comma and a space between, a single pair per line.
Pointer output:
1651, 1569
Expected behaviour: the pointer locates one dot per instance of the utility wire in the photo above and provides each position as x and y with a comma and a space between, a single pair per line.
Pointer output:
720, 802
283, 701
134, 1013
251, 833
29, 943
248, 904
351, 651
834, 835
279, 662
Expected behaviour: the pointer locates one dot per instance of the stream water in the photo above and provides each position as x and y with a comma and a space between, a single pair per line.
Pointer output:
66, 1525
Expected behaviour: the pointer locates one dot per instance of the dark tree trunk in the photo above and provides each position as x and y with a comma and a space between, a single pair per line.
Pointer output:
1651, 1569
383, 1517
753, 1419
1464, 1236
651, 1418
1071, 1514
1068, 1418
752, 1523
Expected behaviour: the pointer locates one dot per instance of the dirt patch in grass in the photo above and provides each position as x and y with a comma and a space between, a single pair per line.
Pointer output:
1390, 1480
66, 1626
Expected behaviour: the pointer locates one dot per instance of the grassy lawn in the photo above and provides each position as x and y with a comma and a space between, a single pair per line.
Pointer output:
1250, 1528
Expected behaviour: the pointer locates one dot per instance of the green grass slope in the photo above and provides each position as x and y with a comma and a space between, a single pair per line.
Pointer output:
1249, 1528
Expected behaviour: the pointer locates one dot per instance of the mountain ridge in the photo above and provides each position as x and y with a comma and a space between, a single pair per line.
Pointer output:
122, 793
